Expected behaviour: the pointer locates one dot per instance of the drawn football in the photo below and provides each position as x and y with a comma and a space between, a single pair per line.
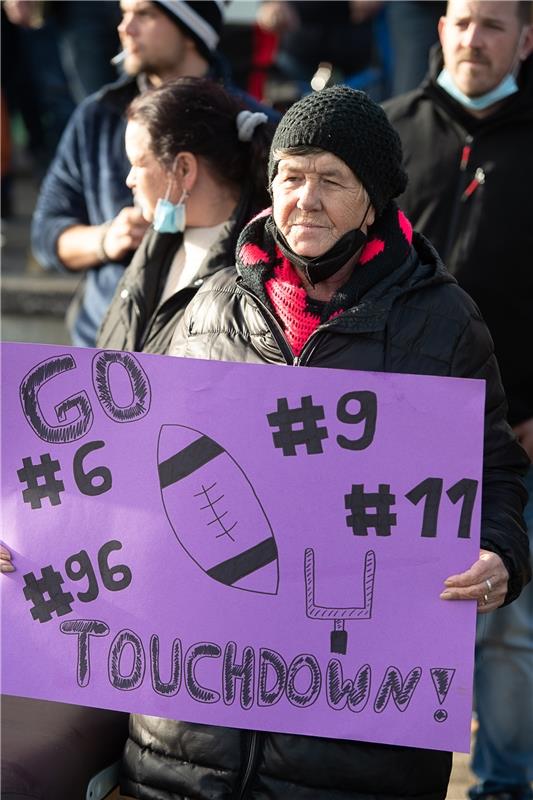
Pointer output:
214, 511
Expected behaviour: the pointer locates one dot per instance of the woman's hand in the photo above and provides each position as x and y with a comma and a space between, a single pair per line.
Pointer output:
6, 563
486, 581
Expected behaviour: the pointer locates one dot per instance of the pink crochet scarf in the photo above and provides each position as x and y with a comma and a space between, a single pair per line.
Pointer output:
273, 277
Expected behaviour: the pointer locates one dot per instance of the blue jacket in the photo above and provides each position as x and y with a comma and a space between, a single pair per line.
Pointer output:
85, 185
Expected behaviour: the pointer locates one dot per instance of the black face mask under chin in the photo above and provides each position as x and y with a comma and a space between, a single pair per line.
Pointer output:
321, 267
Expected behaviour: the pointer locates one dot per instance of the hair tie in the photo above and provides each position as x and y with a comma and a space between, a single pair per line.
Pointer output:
247, 122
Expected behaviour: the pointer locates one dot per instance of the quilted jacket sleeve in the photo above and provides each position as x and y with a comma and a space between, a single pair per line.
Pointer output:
504, 495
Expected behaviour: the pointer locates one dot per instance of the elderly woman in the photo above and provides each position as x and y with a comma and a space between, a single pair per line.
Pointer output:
335, 277
198, 174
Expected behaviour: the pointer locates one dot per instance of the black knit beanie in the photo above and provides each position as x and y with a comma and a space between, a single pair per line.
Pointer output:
353, 127
201, 20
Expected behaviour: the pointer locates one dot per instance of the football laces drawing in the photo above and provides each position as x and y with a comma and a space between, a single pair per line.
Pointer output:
214, 511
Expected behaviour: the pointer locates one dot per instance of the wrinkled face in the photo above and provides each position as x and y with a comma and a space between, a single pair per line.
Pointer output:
316, 199
147, 178
482, 41
152, 42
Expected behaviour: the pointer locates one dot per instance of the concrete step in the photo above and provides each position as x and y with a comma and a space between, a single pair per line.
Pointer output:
34, 294
26, 289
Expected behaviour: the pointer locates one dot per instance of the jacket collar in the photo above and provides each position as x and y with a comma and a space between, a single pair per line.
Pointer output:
363, 307
421, 269
518, 106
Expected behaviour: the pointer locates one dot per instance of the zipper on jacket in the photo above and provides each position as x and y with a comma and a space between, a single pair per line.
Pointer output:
136, 309
466, 152
309, 348
273, 324
250, 764
129, 297
148, 328
477, 180
279, 335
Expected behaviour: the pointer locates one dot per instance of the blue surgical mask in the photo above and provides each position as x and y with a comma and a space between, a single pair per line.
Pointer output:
170, 217
505, 89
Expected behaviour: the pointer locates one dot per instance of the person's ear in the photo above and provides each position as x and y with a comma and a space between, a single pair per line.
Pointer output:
186, 171
189, 45
526, 46
441, 27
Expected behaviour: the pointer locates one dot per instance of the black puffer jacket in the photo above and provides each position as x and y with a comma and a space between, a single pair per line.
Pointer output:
135, 320
415, 320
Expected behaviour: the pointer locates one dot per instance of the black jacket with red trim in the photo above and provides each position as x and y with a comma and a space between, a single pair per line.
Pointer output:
469, 192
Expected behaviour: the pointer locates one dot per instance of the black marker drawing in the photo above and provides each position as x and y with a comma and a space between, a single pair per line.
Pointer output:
126, 639
211, 506
83, 629
339, 636
50, 583
139, 405
172, 686
78, 567
464, 490
360, 519
298, 426
202, 694
271, 665
430, 490
41, 481
442, 678
214, 511
367, 414
342, 692
244, 672
394, 686
30, 387
95, 481
78, 406
212, 672
299, 697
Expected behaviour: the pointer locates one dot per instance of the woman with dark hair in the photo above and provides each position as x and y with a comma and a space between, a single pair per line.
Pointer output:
198, 172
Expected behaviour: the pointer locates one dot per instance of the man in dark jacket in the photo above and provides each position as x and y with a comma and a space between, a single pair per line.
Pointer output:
336, 278
466, 134
85, 220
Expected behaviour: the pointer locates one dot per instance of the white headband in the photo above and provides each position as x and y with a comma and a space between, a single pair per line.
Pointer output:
247, 122
192, 20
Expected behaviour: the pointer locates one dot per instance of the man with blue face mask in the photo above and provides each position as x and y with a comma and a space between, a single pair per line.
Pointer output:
85, 220
467, 134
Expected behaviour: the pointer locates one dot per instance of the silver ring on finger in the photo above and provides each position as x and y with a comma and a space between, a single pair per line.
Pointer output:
485, 599
489, 585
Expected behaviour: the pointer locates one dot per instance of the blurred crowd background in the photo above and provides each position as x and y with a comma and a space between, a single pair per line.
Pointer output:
56, 53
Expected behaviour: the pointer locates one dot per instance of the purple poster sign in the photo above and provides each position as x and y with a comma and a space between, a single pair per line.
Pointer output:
242, 545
